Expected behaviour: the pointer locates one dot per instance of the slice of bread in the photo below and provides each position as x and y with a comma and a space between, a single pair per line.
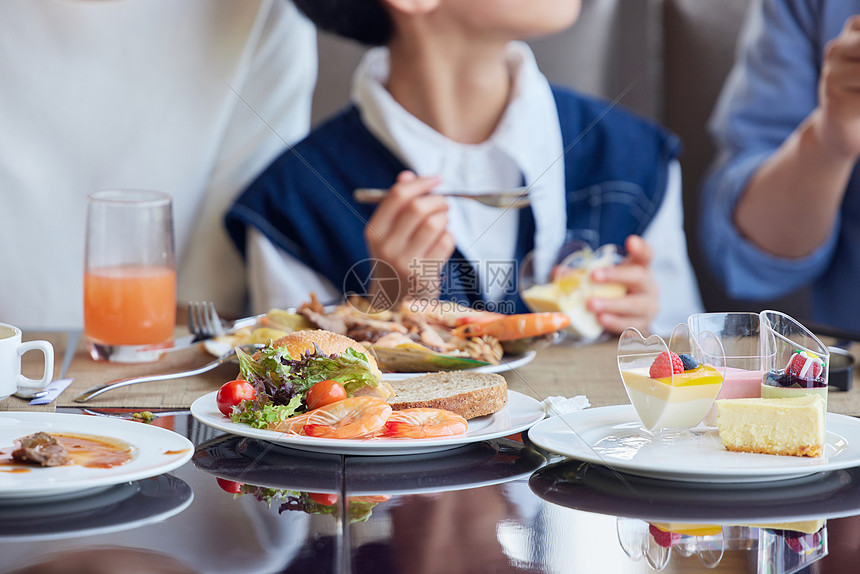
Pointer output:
469, 395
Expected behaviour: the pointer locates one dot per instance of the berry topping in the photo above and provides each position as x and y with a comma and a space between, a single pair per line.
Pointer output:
689, 362
804, 365
666, 364
663, 538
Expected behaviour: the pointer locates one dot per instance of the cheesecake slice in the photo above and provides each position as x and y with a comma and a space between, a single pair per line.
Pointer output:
793, 427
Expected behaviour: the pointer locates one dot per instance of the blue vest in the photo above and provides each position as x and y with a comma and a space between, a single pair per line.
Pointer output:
616, 167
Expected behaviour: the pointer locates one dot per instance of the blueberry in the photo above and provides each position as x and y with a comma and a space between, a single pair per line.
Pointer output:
689, 362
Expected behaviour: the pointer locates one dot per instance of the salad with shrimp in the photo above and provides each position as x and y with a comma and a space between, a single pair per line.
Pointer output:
297, 386
281, 383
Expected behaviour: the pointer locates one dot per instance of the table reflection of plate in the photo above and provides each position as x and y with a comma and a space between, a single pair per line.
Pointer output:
595, 488
115, 508
507, 364
611, 436
156, 451
519, 414
470, 466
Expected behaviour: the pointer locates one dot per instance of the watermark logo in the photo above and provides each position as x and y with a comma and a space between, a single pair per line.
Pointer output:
384, 295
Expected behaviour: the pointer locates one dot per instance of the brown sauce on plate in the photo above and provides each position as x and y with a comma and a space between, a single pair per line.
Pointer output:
175, 451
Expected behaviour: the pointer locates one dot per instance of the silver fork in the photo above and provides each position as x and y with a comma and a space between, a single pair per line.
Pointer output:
516, 198
203, 320
227, 356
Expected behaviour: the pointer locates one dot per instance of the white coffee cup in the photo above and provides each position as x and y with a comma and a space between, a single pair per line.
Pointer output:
11, 350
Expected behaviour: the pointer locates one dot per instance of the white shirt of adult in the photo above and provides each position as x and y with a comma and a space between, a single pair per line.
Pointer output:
528, 133
192, 98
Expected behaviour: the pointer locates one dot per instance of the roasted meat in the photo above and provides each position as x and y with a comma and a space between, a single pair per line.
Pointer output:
40, 448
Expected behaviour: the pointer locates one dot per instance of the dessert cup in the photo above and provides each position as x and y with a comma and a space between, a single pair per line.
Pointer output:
566, 285
795, 361
671, 394
740, 337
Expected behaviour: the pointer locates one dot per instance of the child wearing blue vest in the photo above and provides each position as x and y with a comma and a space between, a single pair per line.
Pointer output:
450, 100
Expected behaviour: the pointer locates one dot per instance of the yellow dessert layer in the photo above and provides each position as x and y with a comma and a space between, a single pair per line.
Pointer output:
701, 375
806, 526
793, 426
703, 382
689, 529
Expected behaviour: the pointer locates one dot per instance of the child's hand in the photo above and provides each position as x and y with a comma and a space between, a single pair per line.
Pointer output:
639, 307
409, 230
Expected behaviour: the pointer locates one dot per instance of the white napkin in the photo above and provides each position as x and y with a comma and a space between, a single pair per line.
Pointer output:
554, 406
54, 389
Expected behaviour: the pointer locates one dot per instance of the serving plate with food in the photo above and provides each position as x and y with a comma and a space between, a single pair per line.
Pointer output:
413, 338
602, 436
318, 390
58, 454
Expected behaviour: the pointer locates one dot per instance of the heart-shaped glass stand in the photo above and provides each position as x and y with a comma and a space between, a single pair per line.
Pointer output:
670, 403
657, 542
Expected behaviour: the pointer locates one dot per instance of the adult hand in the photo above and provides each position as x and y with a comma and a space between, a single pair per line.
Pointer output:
639, 306
409, 231
838, 118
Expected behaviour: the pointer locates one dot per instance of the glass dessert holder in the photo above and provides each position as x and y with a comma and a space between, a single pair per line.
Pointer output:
795, 361
740, 336
563, 283
671, 395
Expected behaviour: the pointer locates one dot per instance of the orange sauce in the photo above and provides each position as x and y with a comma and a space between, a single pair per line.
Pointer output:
84, 450
175, 451
95, 452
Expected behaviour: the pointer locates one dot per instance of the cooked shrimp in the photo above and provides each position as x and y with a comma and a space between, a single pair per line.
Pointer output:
424, 423
515, 326
292, 425
355, 417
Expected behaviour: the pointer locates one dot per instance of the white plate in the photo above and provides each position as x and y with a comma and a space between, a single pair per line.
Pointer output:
505, 365
156, 451
519, 414
607, 436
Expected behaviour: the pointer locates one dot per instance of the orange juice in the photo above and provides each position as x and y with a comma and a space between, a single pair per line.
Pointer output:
129, 305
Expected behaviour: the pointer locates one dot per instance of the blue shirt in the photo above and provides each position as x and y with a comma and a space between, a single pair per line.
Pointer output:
615, 165
772, 89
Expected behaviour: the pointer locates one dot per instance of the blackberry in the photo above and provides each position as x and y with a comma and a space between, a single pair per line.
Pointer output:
689, 362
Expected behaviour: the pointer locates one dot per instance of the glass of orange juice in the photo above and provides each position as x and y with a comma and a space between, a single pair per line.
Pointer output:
129, 275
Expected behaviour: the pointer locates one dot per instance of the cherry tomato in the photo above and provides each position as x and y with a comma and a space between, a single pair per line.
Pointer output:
324, 499
325, 392
230, 486
233, 393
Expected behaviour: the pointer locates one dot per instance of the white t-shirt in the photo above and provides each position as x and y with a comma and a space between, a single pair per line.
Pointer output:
527, 134
192, 98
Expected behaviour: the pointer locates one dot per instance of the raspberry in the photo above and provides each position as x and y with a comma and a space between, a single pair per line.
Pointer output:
798, 363
666, 364
689, 362
663, 538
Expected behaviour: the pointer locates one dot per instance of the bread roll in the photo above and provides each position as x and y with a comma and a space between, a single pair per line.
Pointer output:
333, 344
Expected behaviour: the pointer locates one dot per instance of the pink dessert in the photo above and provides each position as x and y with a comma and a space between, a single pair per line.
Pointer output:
737, 384
741, 384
